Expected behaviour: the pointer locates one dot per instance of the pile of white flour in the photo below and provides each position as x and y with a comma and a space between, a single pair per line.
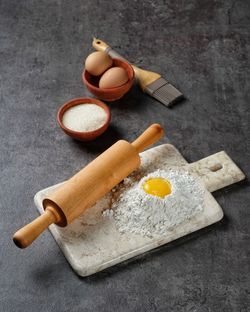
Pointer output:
138, 212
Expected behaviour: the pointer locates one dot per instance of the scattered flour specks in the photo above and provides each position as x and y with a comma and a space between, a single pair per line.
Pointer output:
138, 212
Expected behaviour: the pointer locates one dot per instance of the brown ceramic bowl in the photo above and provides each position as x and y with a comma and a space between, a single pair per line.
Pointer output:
83, 136
111, 94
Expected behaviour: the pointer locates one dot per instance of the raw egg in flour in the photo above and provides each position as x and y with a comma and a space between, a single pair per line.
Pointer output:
157, 187
159, 201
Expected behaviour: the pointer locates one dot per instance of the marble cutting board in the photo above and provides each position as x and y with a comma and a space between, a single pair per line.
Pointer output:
92, 243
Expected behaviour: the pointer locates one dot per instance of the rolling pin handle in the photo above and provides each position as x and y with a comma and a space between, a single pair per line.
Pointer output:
148, 137
26, 235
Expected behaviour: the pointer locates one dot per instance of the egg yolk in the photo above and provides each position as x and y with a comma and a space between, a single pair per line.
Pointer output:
158, 187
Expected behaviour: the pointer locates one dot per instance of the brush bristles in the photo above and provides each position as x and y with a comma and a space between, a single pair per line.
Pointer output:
163, 91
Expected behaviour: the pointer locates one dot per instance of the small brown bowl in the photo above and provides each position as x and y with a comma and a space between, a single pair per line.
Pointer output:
83, 136
111, 94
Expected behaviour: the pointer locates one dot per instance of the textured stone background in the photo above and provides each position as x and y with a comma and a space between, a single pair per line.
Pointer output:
202, 47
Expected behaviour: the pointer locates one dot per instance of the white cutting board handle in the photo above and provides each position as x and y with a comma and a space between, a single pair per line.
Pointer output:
217, 171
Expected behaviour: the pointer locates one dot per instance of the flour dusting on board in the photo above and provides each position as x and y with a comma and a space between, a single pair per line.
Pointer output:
138, 212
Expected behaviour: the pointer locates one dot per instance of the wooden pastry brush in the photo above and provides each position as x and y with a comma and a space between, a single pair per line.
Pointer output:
150, 82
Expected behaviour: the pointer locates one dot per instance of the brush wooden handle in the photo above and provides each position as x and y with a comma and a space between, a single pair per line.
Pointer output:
26, 235
143, 76
148, 137
99, 45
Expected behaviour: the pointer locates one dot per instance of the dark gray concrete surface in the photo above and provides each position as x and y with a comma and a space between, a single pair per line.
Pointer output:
202, 47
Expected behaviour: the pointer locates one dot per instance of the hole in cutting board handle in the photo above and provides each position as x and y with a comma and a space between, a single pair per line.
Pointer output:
216, 167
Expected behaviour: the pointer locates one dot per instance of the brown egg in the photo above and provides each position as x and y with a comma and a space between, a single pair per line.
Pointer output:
113, 77
97, 62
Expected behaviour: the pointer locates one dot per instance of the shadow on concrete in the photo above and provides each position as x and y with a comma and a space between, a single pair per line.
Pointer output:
100, 144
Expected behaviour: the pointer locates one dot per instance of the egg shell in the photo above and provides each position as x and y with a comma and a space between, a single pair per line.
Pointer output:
113, 77
97, 62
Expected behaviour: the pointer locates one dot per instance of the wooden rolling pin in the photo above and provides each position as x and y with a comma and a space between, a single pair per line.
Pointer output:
88, 185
